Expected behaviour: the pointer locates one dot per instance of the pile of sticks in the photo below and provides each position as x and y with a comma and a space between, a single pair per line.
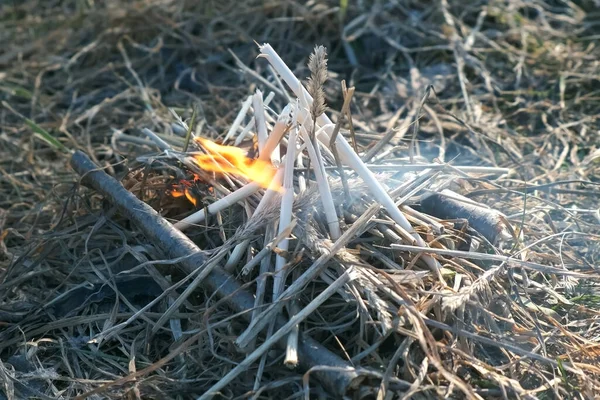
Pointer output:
410, 206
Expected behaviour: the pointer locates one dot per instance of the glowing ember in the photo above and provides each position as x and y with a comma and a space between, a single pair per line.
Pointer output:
233, 160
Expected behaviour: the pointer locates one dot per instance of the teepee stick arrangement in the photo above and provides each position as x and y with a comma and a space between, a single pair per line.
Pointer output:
347, 154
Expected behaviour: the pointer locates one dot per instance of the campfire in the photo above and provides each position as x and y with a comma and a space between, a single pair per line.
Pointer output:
304, 204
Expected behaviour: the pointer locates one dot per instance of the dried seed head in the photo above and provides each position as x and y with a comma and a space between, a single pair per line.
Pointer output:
317, 64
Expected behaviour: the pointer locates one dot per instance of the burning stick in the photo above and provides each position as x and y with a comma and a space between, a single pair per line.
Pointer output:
233, 160
337, 378
282, 125
218, 205
346, 152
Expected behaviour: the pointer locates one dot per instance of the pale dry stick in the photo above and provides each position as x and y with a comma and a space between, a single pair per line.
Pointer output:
285, 217
437, 226
172, 140
282, 126
239, 118
205, 269
123, 137
314, 270
420, 167
259, 118
266, 250
403, 233
491, 257
302, 176
287, 202
324, 189
257, 76
398, 134
347, 154
161, 144
242, 367
336, 130
238, 251
350, 120
218, 205
251, 124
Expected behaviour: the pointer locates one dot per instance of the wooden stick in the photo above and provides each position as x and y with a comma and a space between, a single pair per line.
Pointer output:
324, 190
281, 127
218, 205
240, 117
157, 141
285, 217
450, 205
259, 118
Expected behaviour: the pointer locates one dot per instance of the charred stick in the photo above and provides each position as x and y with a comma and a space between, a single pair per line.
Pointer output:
174, 244
450, 205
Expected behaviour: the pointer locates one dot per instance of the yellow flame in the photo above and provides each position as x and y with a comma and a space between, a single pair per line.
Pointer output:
233, 160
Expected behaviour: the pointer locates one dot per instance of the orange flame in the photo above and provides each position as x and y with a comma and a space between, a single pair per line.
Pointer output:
186, 193
233, 160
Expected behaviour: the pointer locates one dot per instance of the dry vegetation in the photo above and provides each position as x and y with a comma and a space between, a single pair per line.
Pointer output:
504, 84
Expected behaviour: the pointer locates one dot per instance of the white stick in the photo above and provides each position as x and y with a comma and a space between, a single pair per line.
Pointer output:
281, 126
259, 117
324, 190
346, 152
250, 124
285, 217
420, 167
301, 177
218, 205
303, 314
157, 141
238, 120
546, 269
240, 248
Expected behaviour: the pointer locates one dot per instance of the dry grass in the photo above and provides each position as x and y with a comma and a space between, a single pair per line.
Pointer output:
515, 85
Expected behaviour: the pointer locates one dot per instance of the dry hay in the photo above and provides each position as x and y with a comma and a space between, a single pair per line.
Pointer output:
514, 87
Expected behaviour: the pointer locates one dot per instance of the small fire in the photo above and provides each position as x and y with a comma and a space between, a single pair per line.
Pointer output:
186, 192
233, 160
